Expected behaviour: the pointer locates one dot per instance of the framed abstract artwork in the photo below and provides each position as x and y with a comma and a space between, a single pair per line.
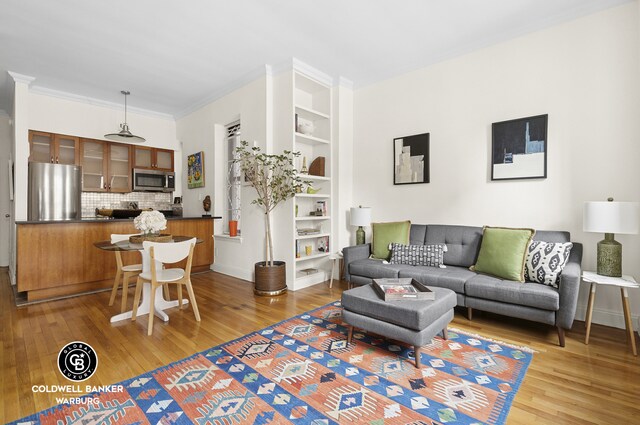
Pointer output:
411, 159
195, 170
519, 149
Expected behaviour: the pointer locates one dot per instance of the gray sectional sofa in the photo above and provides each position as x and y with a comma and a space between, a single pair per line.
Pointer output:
531, 301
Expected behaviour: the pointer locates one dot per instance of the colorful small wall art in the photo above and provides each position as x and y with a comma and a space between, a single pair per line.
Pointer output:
519, 149
195, 170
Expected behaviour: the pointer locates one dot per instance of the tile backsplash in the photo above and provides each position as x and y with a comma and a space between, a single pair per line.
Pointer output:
93, 200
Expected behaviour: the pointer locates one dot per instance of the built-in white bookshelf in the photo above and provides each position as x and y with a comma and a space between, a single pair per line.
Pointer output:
312, 233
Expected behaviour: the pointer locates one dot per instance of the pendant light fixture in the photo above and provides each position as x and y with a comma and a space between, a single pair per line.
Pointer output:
124, 135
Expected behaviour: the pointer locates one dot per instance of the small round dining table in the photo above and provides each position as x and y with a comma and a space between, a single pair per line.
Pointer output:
160, 303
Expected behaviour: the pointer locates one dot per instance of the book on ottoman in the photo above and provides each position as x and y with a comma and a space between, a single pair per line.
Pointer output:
402, 289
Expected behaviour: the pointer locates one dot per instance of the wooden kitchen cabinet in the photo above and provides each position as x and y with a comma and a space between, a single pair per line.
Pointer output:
106, 166
53, 148
152, 158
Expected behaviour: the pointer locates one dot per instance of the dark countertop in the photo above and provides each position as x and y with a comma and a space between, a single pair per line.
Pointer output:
109, 220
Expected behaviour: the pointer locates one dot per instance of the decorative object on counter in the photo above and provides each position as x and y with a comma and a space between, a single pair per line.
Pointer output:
411, 159
519, 149
304, 169
360, 217
195, 170
206, 206
275, 179
311, 190
305, 127
233, 228
609, 218
317, 167
124, 135
150, 223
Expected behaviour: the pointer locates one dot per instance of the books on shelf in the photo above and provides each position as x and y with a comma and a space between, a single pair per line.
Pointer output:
402, 289
308, 231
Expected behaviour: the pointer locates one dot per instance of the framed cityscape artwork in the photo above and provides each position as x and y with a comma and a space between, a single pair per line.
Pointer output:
195, 170
411, 159
519, 149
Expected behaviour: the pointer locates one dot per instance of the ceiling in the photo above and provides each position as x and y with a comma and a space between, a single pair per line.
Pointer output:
175, 55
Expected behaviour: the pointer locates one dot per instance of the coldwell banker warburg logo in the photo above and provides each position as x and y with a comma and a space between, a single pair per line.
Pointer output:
77, 361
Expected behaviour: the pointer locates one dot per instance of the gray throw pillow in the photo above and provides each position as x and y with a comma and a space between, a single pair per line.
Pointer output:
545, 261
418, 255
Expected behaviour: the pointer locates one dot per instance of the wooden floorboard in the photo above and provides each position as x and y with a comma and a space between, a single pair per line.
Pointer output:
597, 383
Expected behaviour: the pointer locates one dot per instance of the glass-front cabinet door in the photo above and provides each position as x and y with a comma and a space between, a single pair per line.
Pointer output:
94, 170
164, 159
143, 157
119, 168
41, 147
66, 149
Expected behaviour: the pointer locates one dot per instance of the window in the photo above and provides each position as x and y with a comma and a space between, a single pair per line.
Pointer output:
234, 177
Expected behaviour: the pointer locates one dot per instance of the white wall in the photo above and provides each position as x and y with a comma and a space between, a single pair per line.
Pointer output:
584, 74
343, 159
203, 130
5, 204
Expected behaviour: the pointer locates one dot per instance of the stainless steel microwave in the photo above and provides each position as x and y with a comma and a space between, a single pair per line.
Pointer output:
153, 181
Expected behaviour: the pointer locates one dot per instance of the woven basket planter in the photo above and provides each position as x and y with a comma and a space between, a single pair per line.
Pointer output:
270, 280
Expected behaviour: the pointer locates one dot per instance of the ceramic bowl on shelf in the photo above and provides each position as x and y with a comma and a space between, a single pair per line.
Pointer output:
305, 128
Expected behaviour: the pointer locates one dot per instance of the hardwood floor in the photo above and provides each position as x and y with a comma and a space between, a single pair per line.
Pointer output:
597, 383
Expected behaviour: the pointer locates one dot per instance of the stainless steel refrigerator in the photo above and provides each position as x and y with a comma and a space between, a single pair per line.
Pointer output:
54, 192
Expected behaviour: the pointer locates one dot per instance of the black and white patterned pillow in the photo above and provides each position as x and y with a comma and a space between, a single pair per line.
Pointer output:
545, 261
418, 255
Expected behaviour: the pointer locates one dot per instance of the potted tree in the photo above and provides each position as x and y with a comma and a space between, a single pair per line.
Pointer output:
275, 180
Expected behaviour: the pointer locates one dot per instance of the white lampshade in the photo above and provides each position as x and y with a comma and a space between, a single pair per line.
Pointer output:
361, 216
611, 217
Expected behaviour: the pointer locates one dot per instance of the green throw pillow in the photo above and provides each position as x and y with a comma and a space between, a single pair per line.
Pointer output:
386, 233
503, 252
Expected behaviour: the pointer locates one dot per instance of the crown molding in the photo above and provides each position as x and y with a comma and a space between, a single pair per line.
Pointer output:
229, 88
345, 82
21, 78
312, 72
97, 102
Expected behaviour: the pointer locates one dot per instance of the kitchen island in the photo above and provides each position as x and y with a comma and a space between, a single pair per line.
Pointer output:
58, 258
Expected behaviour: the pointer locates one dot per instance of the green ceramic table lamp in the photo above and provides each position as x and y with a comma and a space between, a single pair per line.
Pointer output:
610, 218
360, 217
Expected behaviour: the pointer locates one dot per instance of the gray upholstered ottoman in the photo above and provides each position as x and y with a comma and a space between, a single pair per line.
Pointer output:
414, 322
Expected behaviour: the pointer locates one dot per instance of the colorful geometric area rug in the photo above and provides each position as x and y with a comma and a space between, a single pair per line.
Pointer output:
301, 371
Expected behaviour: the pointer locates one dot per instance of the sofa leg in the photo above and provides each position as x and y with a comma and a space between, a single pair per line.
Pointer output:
469, 313
560, 335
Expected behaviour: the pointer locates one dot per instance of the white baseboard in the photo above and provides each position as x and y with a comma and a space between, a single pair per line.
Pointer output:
310, 280
232, 271
611, 318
